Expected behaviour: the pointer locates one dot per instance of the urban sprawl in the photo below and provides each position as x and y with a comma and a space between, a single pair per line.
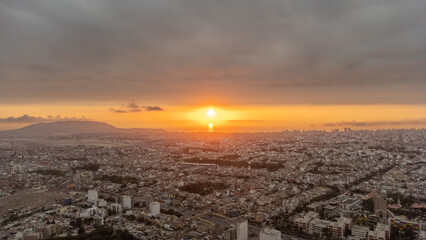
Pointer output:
347, 184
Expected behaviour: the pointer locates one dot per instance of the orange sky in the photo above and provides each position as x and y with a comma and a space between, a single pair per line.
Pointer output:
262, 65
232, 118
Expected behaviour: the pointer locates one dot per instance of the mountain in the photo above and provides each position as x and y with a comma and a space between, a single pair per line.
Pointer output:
73, 128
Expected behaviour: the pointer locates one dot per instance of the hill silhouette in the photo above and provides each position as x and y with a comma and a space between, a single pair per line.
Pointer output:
74, 128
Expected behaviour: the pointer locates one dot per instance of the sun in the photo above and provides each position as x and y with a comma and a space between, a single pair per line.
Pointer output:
211, 113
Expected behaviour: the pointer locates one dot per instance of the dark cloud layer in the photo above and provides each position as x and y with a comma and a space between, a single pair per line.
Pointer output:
33, 119
133, 107
411, 122
153, 108
240, 51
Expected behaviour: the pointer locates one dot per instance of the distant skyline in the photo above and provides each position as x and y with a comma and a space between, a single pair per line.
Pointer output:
262, 65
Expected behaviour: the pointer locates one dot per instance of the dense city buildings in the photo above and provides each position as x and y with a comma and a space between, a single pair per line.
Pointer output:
163, 185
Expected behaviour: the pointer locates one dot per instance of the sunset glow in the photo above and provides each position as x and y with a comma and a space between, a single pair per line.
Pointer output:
269, 70
211, 113
231, 118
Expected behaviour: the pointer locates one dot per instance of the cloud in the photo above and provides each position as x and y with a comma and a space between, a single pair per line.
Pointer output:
117, 110
413, 122
133, 107
235, 52
33, 119
153, 108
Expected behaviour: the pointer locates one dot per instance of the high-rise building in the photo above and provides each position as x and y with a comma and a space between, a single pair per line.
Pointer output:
242, 229
381, 207
337, 229
269, 234
386, 228
360, 232
127, 202
154, 208
230, 233
116, 208
92, 195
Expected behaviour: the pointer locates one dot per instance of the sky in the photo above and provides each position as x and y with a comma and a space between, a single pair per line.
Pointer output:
265, 65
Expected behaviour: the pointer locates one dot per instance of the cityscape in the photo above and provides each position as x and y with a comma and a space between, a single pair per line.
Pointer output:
212, 120
349, 184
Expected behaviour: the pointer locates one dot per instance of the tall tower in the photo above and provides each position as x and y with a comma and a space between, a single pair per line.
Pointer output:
242, 229
127, 202
154, 208
381, 207
92, 195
